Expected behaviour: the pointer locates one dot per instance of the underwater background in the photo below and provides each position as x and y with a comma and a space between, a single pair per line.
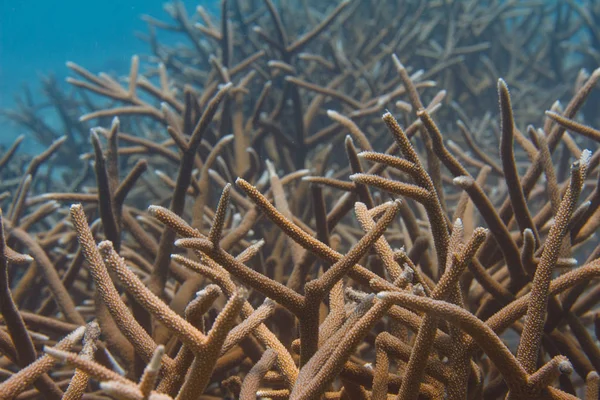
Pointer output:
37, 38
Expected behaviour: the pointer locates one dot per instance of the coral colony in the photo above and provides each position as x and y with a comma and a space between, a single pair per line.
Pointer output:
313, 200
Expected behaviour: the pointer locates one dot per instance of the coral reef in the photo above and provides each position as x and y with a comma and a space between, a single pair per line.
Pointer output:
313, 200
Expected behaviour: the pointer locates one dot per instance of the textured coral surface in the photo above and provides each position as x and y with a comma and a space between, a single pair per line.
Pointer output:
313, 200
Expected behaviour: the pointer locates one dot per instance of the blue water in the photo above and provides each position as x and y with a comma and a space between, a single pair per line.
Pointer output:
37, 37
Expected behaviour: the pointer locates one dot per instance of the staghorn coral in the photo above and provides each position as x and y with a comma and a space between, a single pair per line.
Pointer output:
211, 253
